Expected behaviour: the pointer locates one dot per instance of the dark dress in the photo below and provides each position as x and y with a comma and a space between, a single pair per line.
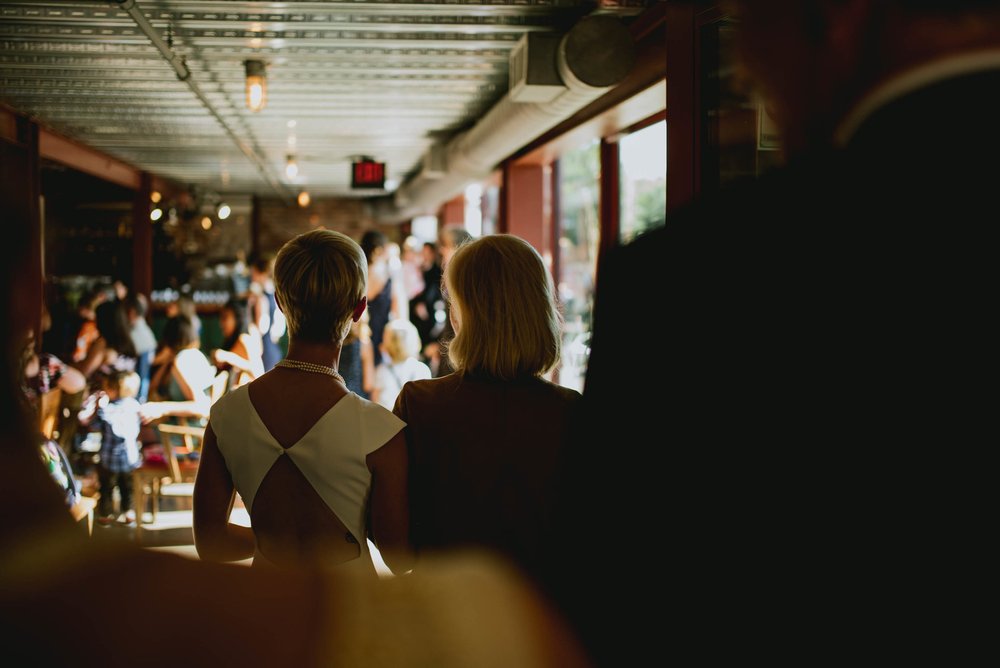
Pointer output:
803, 447
483, 457
351, 368
378, 318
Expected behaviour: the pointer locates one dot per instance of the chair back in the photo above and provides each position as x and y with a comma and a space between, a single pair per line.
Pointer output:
48, 413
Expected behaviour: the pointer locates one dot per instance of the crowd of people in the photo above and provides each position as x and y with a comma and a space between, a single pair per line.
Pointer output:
776, 478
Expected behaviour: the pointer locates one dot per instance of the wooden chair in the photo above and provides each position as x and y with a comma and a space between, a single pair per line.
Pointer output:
175, 476
49, 406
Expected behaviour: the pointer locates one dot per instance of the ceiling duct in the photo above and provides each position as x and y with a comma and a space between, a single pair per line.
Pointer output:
595, 55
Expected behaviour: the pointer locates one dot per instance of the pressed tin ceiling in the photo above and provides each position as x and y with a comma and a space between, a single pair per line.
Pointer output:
345, 79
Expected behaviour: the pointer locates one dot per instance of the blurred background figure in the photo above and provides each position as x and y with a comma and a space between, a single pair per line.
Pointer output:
264, 312
412, 271
401, 345
380, 292
181, 385
427, 308
240, 354
451, 238
115, 412
143, 340
184, 305
84, 323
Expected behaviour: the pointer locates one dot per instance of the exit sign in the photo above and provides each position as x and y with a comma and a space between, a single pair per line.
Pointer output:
368, 174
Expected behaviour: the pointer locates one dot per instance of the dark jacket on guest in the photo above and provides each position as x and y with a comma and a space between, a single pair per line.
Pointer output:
483, 457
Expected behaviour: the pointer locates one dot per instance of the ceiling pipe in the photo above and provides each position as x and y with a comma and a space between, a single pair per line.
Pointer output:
177, 63
594, 56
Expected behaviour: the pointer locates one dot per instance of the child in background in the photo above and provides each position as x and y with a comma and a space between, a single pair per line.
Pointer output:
401, 344
116, 410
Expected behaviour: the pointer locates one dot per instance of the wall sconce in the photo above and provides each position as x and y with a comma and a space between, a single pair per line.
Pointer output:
256, 85
304, 199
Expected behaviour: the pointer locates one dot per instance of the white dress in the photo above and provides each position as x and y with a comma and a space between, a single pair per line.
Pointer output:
331, 455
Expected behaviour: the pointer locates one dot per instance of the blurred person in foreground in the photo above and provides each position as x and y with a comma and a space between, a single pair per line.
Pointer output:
824, 330
59, 589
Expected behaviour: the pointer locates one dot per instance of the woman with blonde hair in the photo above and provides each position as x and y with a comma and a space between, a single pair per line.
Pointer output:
484, 442
319, 468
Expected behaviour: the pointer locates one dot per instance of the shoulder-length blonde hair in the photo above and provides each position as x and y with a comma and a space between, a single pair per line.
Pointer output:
502, 301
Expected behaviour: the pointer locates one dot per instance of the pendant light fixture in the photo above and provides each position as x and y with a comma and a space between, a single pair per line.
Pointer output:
256, 85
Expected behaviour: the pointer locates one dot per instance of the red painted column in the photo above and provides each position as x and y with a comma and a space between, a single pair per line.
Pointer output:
528, 198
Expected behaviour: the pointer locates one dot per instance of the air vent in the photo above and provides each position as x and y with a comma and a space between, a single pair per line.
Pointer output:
435, 162
534, 74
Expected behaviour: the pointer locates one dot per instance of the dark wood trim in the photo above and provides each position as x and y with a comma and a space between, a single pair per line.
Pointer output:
682, 107
645, 123
142, 237
255, 227
27, 134
610, 197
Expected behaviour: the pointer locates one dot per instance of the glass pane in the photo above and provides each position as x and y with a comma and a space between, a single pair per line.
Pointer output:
579, 232
643, 166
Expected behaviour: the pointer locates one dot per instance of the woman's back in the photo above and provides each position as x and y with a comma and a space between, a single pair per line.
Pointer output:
295, 445
483, 459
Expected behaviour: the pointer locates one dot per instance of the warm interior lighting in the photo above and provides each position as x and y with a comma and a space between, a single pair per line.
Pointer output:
304, 199
155, 196
291, 167
256, 85
156, 214
223, 211
206, 223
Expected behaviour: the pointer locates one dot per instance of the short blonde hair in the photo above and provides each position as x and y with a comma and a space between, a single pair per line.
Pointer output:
401, 340
319, 278
509, 326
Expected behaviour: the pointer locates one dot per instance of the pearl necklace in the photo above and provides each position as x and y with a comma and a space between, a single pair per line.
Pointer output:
311, 368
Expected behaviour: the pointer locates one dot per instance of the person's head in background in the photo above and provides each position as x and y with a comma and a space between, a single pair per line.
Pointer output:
502, 308
401, 341
89, 301
429, 255
136, 306
179, 334
321, 281
815, 60
233, 322
120, 290
450, 240
412, 250
261, 270
374, 244
112, 322
122, 385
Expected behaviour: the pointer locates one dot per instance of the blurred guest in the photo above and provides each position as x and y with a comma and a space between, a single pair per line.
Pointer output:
824, 330
113, 348
412, 259
484, 442
85, 322
184, 305
401, 345
42, 373
143, 340
311, 460
380, 293
241, 352
452, 238
183, 382
115, 410
352, 358
427, 309
264, 312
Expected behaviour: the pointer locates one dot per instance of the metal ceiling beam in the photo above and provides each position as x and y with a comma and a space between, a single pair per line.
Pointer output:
184, 74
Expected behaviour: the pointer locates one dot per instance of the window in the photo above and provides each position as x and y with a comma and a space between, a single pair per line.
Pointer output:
643, 169
579, 231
